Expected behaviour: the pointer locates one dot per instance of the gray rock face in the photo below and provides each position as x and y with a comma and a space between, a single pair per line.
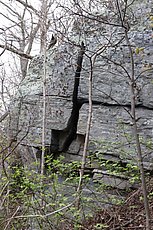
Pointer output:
111, 129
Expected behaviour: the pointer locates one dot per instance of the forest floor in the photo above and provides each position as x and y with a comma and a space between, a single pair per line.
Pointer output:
129, 216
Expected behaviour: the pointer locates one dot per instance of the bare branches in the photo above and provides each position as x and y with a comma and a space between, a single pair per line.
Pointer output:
4, 116
12, 217
105, 32
4, 48
15, 51
19, 34
29, 6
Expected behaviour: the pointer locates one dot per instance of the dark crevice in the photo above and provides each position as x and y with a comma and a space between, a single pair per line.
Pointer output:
71, 129
55, 135
70, 132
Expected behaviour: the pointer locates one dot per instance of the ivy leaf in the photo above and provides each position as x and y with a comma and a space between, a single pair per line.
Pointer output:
139, 49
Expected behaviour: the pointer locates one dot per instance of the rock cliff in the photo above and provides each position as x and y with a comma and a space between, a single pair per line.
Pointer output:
111, 135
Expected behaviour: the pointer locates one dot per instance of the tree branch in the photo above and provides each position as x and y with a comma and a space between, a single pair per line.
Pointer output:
15, 51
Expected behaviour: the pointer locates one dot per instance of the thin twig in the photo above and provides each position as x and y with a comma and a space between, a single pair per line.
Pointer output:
12, 217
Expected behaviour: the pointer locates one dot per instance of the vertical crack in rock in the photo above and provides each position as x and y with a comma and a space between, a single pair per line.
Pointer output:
54, 148
69, 133
71, 128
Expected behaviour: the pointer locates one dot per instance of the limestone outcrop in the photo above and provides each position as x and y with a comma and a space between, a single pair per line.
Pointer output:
111, 135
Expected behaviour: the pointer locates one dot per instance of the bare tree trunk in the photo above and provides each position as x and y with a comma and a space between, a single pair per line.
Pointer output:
136, 135
132, 82
43, 52
86, 144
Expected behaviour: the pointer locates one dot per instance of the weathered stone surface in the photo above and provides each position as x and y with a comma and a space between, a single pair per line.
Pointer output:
111, 128
112, 180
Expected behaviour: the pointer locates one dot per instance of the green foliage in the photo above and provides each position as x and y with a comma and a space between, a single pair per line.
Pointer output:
128, 170
40, 195
139, 50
